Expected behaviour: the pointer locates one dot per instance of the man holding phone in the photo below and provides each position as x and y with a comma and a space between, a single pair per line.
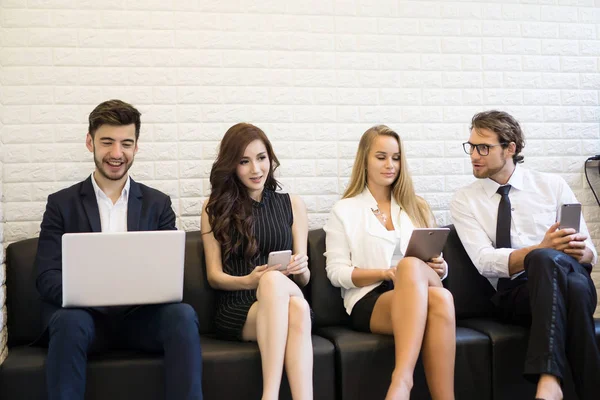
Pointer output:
506, 221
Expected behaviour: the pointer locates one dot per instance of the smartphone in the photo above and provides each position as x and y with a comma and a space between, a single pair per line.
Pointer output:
569, 216
282, 257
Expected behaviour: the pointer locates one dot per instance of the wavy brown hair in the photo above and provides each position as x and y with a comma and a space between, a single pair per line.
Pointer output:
229, 206
505, 126
402, 189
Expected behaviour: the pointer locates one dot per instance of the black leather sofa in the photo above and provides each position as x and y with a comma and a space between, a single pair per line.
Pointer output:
489, 355
347, 364
231, 370
508, 343
364, 362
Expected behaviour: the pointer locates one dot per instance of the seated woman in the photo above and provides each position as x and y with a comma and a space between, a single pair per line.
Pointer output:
244, 220
367, 235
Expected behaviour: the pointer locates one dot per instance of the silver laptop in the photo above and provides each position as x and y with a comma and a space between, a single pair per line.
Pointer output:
127, 268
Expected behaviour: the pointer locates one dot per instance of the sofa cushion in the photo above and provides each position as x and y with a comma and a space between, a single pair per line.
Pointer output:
116, 375
240, 361
231, 370
196, 290
509, 347
326, 300
364, 364
22, 298
472, 291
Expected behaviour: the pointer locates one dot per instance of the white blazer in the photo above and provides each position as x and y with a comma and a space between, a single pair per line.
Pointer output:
357, 239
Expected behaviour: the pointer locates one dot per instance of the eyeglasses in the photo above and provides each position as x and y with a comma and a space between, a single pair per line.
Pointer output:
483, 149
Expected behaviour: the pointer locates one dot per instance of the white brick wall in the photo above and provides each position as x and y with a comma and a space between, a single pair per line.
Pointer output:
313, 74
3, 330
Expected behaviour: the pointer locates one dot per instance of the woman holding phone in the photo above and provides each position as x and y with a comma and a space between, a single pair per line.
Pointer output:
384, 292
243, 221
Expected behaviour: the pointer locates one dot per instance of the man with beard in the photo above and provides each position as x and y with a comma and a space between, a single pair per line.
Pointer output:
506, 222
110, 201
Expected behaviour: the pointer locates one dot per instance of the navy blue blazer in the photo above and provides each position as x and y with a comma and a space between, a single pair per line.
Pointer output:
74, 210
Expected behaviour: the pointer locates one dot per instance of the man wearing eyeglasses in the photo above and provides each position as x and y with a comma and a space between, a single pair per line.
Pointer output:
506, 222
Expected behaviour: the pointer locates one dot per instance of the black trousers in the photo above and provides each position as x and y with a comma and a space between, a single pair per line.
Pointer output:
556, 297
171, 329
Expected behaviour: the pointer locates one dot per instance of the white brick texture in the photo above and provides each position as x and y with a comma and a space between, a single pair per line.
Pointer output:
313, 74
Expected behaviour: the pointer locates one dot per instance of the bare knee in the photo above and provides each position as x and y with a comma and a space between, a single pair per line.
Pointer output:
299, 315
272, 285
440, 304
410, 270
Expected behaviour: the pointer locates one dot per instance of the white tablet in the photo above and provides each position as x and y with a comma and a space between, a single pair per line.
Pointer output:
427, 243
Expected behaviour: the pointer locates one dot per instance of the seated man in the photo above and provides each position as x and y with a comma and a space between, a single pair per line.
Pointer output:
506, 222
110, 201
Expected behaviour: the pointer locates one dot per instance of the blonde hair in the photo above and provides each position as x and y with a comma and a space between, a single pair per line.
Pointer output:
403, 190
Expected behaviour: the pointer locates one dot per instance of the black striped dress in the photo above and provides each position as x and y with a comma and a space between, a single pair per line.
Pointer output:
273, 220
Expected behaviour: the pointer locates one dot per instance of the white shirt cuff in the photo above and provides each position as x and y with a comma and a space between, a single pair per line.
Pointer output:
345, 277
497, 264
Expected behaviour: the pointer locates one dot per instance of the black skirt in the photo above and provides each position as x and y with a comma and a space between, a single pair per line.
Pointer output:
360, 318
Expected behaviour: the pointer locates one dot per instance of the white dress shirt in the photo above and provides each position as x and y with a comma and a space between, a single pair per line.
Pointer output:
535, 198
113, 217
357, 239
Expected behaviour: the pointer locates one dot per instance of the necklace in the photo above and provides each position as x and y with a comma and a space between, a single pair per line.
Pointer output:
381, 216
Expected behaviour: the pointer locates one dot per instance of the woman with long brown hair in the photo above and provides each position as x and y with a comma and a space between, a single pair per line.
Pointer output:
385, 292
243, 220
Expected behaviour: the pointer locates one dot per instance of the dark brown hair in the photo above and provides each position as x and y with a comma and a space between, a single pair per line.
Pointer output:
505, 126
229, 206
116, 113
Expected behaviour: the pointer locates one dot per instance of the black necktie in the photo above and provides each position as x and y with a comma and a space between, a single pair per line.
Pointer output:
503, 223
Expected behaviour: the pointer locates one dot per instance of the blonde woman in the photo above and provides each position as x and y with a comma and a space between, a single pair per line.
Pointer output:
384, 292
